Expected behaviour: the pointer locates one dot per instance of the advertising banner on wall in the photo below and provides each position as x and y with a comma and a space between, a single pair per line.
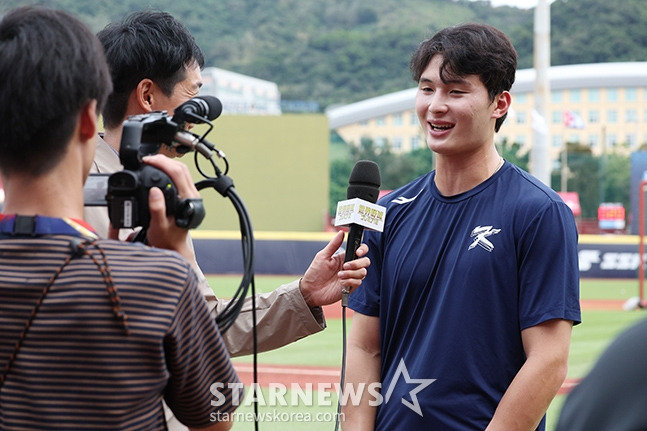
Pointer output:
614, 256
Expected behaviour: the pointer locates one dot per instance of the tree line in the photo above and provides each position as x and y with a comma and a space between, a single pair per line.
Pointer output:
341, 51
596, 179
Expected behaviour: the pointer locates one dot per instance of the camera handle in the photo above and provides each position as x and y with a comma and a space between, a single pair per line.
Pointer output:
190, 213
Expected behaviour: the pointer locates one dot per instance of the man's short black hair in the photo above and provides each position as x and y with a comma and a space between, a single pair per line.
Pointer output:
471, 49
51, 66
146, 44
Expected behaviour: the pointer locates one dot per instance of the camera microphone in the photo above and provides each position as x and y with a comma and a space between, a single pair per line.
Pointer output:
198, 109
192, 142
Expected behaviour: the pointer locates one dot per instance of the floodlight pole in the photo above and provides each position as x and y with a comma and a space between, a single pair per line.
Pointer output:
540, 163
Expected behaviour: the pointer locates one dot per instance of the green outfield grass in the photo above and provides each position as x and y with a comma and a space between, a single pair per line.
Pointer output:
590, 338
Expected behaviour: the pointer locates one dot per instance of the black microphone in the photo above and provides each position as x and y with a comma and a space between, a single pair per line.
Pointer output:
359, 210
363, 183
198, 109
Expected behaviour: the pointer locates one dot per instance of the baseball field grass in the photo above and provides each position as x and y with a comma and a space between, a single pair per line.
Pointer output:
602, 321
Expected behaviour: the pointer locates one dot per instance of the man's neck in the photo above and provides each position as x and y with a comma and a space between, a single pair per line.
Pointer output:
57, 192
456, 175
45, 196
113, 137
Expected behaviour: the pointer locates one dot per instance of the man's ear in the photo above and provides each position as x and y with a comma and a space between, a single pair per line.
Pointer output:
502, 104
88, 122
145, 94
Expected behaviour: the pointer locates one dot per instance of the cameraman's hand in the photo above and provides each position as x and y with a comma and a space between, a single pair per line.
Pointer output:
328, 273
163, 232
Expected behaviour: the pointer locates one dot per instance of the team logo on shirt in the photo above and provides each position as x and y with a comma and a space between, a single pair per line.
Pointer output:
480, 236
401, 200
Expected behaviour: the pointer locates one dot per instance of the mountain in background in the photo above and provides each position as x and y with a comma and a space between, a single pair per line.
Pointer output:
341, 51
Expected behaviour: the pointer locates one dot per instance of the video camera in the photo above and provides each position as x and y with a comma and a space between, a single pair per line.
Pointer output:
142, 135
127, 194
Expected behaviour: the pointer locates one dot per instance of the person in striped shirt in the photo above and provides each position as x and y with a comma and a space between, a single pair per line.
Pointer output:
82, 345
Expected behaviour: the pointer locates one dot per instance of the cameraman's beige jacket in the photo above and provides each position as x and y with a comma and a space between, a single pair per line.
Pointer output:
282, 315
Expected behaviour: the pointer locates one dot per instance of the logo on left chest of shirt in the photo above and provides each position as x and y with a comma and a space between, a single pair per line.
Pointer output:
480, 235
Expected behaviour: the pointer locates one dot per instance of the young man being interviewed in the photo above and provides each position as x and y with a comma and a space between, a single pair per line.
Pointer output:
465, 318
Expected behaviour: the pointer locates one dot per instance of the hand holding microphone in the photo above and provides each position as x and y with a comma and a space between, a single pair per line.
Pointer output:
359, 210
328, 274
332, 275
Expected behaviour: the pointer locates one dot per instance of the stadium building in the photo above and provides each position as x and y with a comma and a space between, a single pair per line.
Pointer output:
601, 105
241, 94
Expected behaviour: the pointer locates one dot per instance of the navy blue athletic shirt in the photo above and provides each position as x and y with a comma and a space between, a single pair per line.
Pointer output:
454, 281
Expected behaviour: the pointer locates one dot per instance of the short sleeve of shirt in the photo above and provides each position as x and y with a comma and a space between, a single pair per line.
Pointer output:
366, 298
549, 247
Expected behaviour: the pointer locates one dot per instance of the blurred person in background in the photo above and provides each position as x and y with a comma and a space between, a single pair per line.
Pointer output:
613, 395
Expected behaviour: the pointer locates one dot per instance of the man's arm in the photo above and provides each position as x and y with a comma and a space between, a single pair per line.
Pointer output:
527, 398
362, 366
292, 311
282, 317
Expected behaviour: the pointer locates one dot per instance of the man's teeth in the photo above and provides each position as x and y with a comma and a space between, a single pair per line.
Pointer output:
435, 126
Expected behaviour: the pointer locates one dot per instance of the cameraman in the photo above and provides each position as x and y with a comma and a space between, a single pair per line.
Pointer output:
155, 66
79, 348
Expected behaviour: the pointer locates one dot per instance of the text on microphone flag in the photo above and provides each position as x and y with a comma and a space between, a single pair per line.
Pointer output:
360, 212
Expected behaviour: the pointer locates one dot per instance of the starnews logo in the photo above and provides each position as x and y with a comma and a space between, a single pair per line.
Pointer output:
320, 394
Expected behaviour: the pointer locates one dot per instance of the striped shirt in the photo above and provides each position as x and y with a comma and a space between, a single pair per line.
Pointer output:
77, 367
